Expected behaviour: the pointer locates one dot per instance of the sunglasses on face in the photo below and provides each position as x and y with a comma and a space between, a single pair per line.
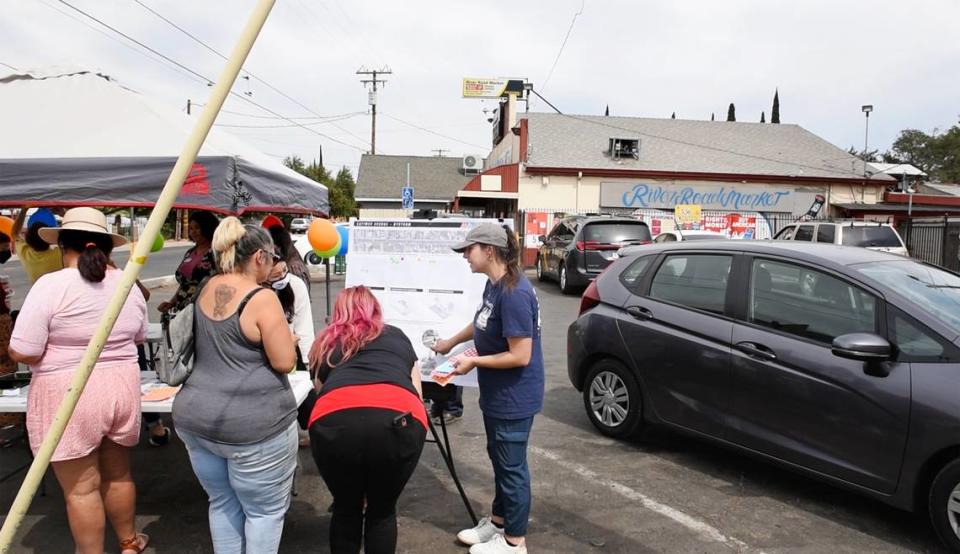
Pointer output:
273, 255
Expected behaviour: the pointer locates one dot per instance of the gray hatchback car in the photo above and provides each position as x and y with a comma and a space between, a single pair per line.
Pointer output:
840, 362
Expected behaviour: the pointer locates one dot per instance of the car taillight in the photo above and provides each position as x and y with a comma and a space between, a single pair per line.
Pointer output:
590, 298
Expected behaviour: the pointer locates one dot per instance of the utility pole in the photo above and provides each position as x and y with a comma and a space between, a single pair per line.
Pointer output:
372, 99
440, 151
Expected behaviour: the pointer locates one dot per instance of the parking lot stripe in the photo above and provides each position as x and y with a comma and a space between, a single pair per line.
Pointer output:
702, 528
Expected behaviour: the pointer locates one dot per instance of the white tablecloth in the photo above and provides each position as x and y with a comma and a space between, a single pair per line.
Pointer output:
17, 403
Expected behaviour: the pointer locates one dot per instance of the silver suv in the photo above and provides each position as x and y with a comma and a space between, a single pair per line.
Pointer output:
865, 234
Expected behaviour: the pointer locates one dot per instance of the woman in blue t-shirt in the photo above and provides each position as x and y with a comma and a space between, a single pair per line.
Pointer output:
506, 334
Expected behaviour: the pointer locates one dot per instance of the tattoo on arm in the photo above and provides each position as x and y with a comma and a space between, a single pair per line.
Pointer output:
222, 296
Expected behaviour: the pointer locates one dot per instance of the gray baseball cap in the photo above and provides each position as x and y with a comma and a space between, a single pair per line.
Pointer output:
485, 233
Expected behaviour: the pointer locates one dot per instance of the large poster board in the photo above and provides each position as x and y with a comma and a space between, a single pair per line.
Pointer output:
424, 287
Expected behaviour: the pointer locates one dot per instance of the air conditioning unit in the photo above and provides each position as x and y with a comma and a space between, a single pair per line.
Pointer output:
472, 164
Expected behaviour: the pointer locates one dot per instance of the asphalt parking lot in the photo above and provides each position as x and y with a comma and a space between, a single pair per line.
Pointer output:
591, 494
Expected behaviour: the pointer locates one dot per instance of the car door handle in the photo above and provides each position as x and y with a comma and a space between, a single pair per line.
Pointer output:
756, 350
640, 313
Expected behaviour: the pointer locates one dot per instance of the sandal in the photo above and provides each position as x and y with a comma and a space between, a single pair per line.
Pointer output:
137, 544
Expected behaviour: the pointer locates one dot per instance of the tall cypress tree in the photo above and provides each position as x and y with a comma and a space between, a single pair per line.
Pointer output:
775, 113
713, 116
607, 111
731, 113
763, 117
673, 115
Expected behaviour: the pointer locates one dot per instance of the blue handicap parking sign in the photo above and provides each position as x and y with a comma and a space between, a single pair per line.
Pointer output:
406, 198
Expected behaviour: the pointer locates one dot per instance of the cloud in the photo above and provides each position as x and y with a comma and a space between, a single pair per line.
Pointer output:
642, 58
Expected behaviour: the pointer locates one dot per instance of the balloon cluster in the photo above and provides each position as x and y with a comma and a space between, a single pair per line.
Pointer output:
328, 240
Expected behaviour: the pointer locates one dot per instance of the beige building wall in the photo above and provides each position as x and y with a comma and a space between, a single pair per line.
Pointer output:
568, 193
366, 213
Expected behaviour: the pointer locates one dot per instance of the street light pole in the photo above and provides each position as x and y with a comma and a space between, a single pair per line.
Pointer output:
866, 108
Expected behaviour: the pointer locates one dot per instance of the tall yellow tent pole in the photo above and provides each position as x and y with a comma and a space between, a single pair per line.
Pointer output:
130, 273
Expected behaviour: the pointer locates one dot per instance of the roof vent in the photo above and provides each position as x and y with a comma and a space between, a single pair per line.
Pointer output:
624, 148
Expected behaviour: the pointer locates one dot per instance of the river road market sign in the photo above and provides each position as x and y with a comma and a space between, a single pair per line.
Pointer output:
760, 198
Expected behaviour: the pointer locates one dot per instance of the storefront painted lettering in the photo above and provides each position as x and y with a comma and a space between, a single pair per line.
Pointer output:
645, 196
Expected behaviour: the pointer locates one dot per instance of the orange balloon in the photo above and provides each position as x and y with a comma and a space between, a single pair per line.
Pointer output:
322, 235
6, 227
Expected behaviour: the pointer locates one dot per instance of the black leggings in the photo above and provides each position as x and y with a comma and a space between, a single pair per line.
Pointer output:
365, 454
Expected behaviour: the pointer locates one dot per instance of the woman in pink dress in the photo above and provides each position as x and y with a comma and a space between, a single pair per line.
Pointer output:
59, 315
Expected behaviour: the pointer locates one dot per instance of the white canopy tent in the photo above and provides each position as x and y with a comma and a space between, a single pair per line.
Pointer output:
80, 138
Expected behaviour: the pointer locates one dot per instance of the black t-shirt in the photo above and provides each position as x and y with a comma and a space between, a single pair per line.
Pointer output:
386, 359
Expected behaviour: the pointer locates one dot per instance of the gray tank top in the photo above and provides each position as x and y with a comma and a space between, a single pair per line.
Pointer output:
233, 395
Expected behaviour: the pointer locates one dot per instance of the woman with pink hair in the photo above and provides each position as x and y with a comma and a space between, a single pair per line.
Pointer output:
368, 424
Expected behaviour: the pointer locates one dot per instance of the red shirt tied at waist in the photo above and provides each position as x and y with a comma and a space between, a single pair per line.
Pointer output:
381, 395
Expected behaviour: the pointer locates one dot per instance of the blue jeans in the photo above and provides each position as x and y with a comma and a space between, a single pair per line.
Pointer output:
507, 446
249, 488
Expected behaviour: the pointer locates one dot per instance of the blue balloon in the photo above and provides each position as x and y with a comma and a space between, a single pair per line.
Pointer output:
42, 215
344, 239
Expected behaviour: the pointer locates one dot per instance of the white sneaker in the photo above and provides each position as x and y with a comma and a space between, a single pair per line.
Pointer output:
498, 545
484, 531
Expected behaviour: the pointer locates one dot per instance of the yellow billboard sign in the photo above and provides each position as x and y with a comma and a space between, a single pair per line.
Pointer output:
687, 215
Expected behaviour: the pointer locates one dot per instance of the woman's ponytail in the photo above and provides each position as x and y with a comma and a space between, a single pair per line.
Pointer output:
510, 256
94, 250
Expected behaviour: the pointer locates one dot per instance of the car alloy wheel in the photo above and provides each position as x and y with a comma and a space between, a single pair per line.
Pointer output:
609, 399
944, 505
953, 510
312, 258
612, 399
540, 275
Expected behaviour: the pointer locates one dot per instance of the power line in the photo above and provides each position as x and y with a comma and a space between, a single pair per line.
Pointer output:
10, 66
563, 44
205, 79
212, 49
424, 129
326, 122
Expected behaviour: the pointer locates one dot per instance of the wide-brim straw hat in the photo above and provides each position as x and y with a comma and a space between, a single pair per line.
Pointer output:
88, 220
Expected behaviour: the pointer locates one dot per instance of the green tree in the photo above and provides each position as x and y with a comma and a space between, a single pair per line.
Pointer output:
342, 201
732, 112
871, 155
915, 148
673, 115
763, 117
775, 112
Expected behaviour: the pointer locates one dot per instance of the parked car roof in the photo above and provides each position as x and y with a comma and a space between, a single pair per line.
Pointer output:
821, 253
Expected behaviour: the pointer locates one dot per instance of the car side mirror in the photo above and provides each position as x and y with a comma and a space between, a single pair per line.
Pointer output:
865, 347
542, 239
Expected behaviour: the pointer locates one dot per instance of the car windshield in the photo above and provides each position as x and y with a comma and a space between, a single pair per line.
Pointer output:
298, 222
871, 236
933, 290
703, 237
610, 233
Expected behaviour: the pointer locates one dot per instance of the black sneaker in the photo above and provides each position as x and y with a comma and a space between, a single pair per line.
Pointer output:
448, 418
160, 440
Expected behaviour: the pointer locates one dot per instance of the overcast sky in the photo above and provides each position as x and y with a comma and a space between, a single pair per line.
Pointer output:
642, 58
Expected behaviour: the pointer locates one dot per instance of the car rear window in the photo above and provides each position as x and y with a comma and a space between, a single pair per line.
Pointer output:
298, 221
869, 235
615, 232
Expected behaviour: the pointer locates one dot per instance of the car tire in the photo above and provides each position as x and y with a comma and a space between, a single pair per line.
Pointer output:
565, 287
311, 258
612, 400
541, 276
944, 505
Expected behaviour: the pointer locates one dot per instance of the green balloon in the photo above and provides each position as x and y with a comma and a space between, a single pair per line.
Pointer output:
331, 252
157, 244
